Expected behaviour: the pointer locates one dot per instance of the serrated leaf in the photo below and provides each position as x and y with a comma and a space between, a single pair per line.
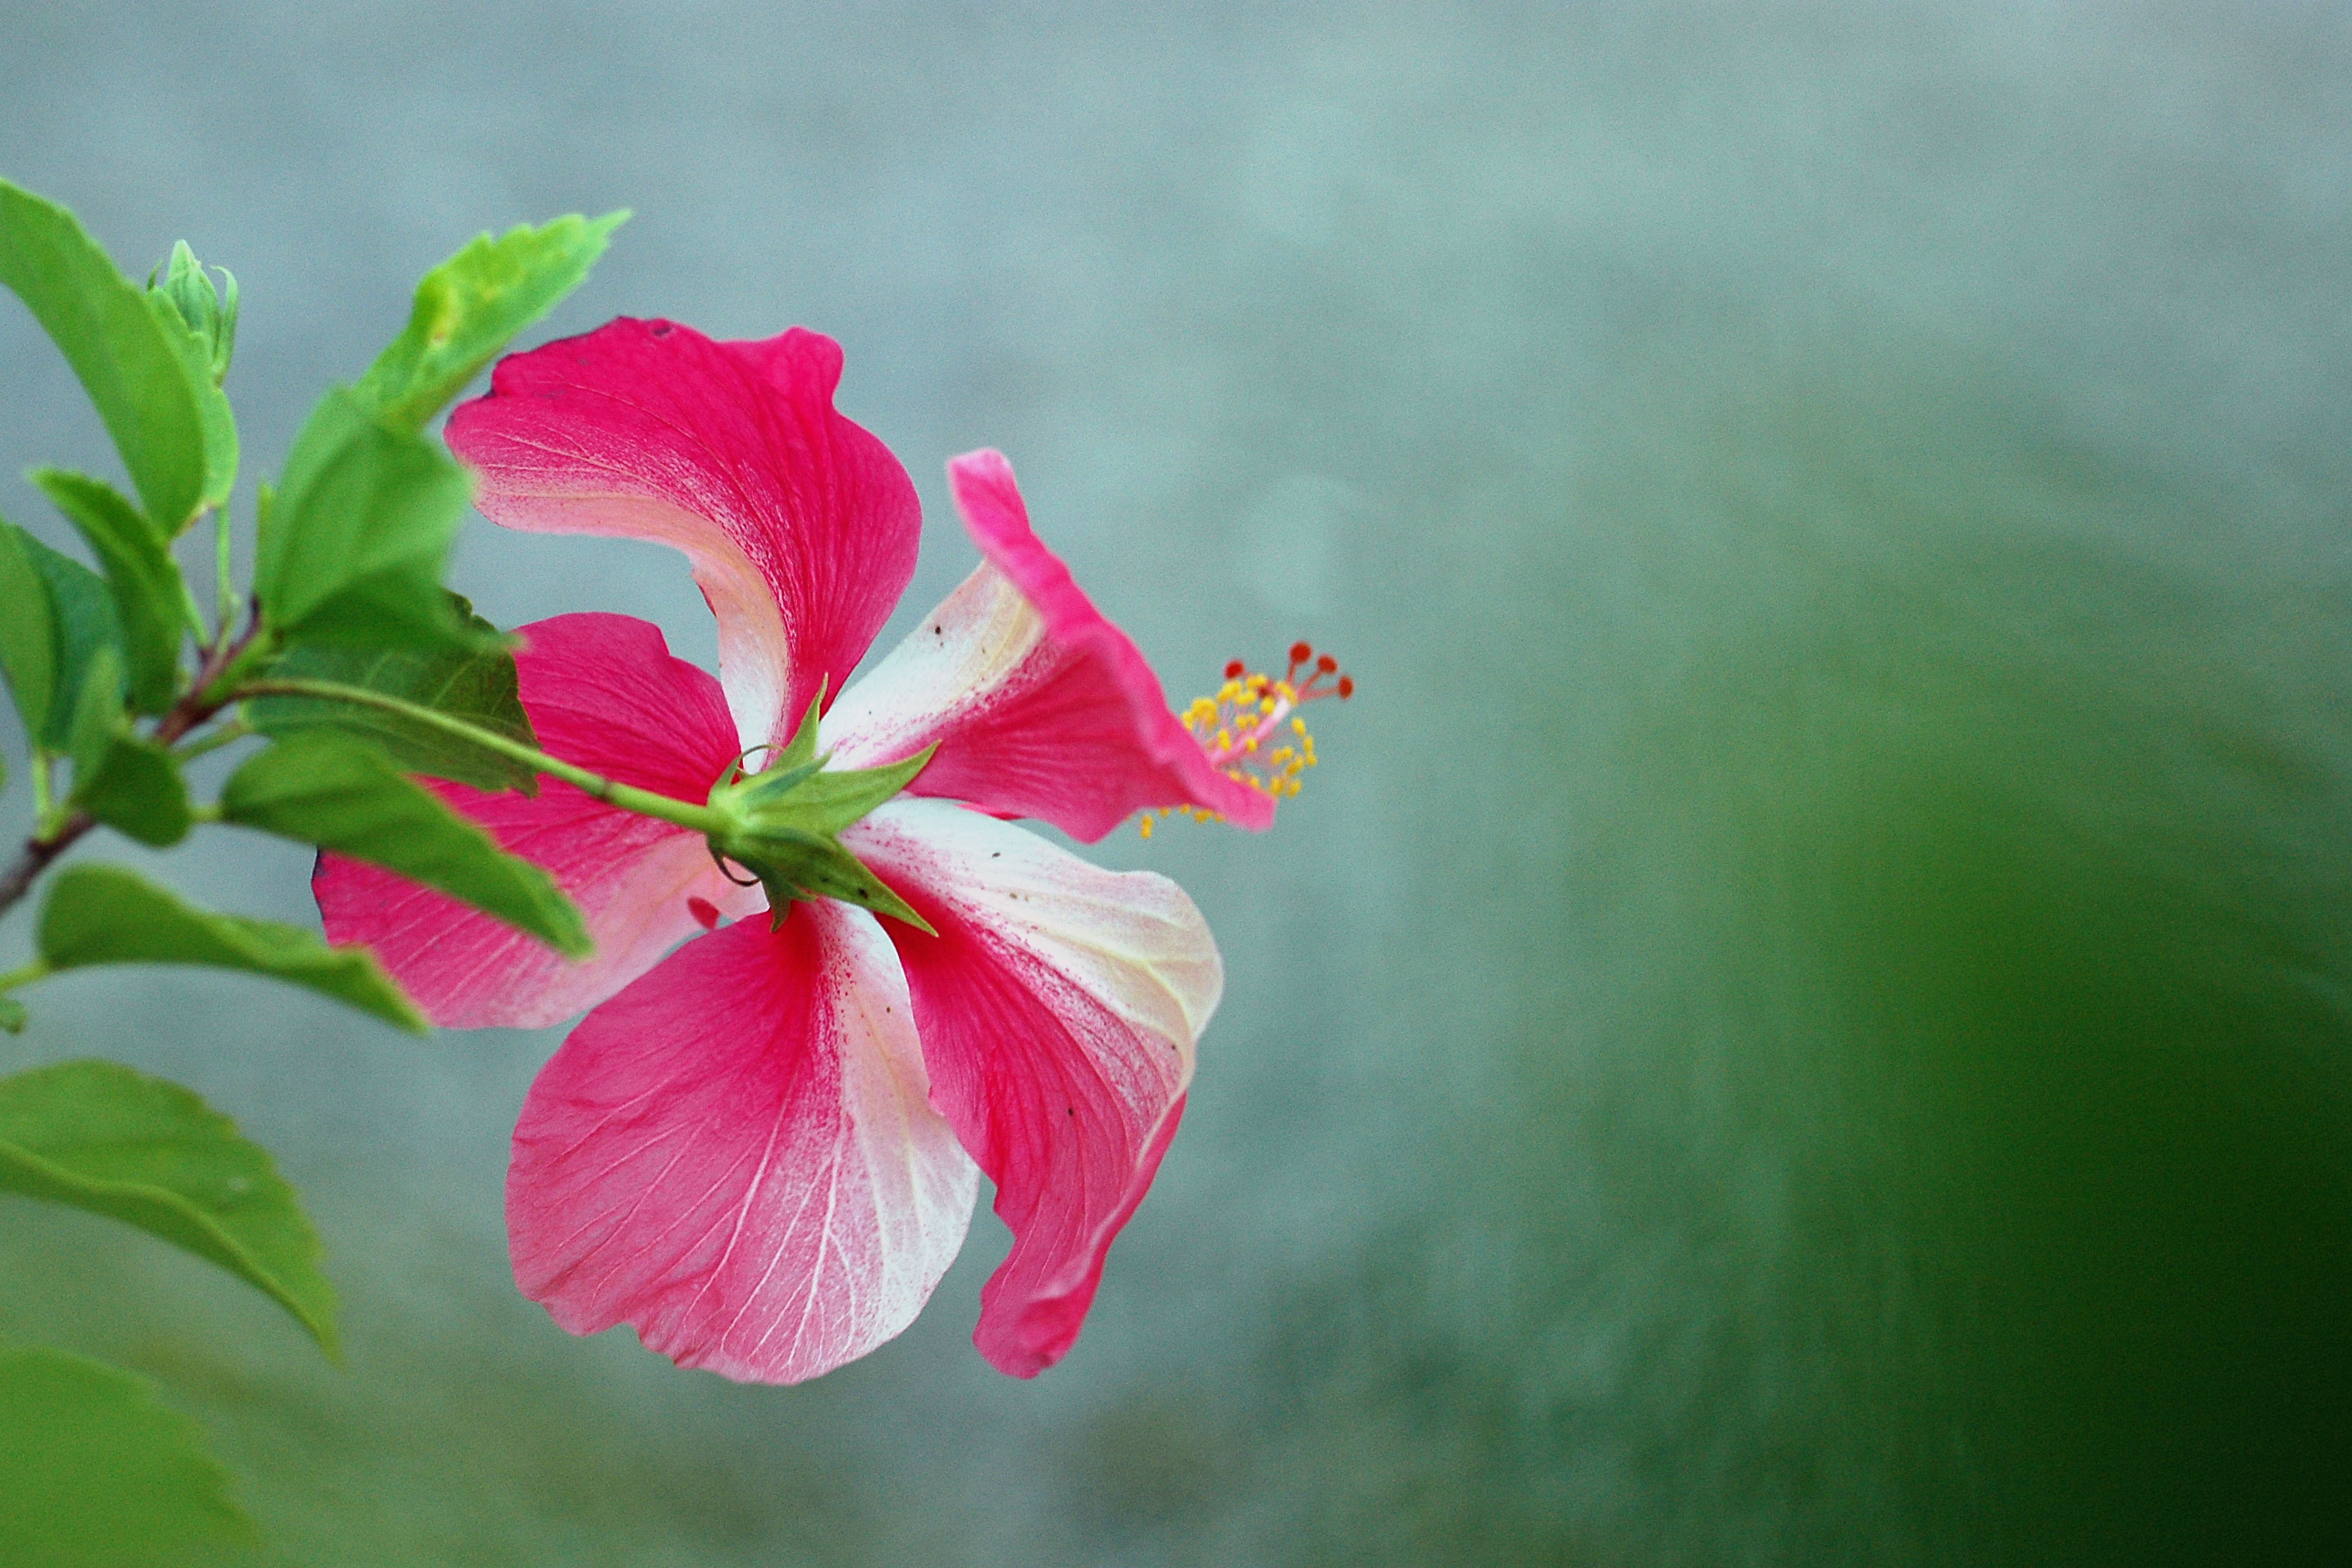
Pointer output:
102, 1137
28, 633
95, 1472
141, 576
470, 306
477, 686
102, 914
345, 795
350, 552
135, 366
82, 621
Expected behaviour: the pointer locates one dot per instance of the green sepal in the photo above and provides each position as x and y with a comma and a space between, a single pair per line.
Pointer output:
141, 576
99, 1136
793, 764
102, 914
801, 750
351, 549
82, 622
345, 795
478, 684
29, 633
139, 362
797, 792
208, 312
783, 818
792, 863
96, 1472
827, 801
468, 307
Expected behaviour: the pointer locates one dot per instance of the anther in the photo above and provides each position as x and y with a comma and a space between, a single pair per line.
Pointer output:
1236, 726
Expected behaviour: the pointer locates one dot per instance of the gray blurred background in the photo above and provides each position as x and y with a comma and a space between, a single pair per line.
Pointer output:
1807, 1016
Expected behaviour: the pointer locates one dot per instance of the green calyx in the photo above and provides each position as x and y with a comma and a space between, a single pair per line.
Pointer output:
208, 312
780, 826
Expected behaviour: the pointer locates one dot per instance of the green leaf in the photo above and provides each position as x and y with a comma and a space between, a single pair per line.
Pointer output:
82, 621
95, 1472
130, 784
101, 914
27, 632
479, 687
137, 365
468, 307
345, 795
352, 551
140, 574
136, 789
194, 349
98, 716
99, 1136
12, 1015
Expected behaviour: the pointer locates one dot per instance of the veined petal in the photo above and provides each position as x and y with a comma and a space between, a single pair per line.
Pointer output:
1058, 1006
736, 1156
604, 692
802, 527
1040, 705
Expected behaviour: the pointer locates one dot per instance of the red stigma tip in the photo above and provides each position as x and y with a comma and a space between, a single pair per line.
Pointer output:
1346, 687
1301, 652
1327, 664
1234, 670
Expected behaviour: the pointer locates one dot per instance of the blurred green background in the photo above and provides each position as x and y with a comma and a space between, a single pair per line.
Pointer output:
1807, 1018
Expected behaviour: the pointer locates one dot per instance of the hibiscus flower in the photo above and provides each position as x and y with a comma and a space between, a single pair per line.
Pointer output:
761, 1149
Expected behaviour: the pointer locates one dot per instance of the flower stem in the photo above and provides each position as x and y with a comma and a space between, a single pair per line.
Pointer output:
226, 734
37, 853
42, 785
36, 970
225, 594
53, 839
643, 803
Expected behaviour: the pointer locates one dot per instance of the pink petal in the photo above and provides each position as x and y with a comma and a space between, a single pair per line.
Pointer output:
1058, 1006
735, 1156
802, 527
1040, 705
602, 691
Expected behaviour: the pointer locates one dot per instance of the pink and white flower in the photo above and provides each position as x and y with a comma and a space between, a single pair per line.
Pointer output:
762, 1149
